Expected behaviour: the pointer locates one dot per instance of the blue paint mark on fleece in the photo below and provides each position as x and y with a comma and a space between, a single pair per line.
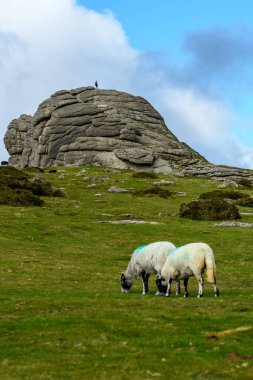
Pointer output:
175, 250
140, 248
185, 256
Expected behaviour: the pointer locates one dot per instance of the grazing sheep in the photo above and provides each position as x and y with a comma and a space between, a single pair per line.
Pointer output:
146, 260
184, 262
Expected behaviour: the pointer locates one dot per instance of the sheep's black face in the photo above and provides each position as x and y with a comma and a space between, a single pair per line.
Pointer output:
162, 288
125, 285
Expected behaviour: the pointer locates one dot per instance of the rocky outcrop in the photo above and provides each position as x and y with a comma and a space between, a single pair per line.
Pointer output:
103, 127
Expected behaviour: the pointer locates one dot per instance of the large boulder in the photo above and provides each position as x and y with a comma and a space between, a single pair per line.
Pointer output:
101, 127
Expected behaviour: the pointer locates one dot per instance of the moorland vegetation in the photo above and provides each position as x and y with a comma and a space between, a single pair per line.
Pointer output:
62, 313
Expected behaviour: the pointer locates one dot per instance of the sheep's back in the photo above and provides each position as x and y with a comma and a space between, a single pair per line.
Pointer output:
186, 259
152, 257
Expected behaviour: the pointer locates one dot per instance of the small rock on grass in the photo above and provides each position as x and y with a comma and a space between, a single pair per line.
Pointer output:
233, 224
115, 189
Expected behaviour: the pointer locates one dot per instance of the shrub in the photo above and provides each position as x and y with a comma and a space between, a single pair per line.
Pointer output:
245, 202
44, 188
10, 171
12, 177
19, 197
144, 175
223, 194
25, 198
16, 188
154, 191
41, 188
210, 209
58, 193
245, 183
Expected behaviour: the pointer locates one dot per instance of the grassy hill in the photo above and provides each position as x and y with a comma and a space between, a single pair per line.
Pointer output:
63, 315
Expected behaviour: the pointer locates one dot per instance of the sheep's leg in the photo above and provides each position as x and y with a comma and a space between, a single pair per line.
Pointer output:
201, 286
145, 278
168, 287
161, 289
216, 290
146, 282
178, 290
186, 294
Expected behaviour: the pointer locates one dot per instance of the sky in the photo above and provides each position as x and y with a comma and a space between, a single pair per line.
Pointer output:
191, 59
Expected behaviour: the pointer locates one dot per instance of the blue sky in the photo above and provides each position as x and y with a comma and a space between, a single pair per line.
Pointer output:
162, 24
192, 59
167, 29
164, 28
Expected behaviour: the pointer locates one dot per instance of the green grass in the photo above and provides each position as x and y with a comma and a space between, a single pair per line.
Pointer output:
63, 315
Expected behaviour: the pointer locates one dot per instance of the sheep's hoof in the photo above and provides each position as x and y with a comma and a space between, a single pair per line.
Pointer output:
200, 295
186, 295
167, 295
160, 294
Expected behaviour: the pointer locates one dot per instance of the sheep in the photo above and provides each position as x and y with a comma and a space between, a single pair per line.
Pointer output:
186, 261
146, 260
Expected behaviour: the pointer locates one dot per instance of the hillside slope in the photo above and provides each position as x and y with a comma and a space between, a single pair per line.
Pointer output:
62, 313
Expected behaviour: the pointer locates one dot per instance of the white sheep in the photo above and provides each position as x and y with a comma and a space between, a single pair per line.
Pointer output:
146, 260
184, 262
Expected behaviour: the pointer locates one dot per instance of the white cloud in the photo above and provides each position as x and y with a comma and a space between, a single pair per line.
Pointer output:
47, 46
202, 121
204, 124
246, 157
205, 118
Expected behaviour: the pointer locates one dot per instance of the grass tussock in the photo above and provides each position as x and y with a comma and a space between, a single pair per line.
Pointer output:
154, 191
245, 202
246, 183
44, 188
210, 209
18, 189
19, 197
223, 194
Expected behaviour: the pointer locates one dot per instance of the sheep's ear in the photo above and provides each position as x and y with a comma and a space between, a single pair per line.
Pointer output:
123, 275
158, 276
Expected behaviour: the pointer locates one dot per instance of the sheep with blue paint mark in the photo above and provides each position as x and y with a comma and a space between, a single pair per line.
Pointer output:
145, 260
186, 261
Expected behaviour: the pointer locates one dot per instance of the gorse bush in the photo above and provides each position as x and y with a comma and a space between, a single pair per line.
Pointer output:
17, 189
154, 191
210, 209
223, 194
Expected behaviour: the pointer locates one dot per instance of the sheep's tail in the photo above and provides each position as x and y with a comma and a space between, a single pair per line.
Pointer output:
210, 266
